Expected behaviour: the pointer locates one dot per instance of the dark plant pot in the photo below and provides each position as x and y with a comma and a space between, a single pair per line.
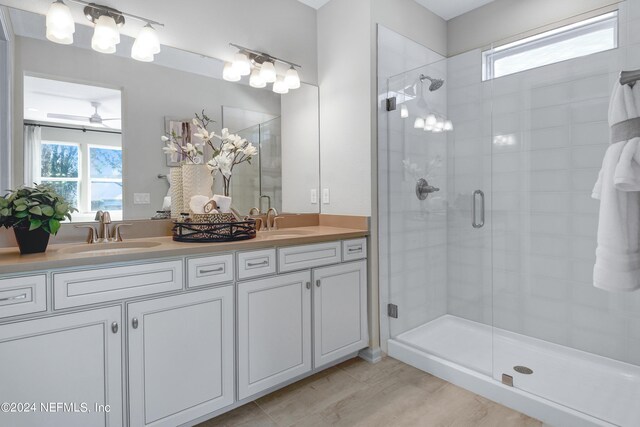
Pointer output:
31, 242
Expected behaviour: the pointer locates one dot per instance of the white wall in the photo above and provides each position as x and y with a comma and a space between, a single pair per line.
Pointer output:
149, 93
283, 28
502, 19
344, 71
6, 94
300, 150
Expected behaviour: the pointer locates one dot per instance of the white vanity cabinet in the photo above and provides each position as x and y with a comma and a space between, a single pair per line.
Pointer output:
274, 331
73, 359
181, 357
339, 311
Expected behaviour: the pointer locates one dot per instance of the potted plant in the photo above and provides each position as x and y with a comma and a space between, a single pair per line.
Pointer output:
34, 213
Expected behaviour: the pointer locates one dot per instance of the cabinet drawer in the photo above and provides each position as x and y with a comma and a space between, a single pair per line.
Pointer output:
354, 249
23, 295
309, 256
209, 270
256, 263
108, 284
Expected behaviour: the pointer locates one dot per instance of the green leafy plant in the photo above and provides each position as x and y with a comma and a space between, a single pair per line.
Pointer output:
34, 207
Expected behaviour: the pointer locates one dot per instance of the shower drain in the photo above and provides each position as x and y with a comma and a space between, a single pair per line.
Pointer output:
523, 370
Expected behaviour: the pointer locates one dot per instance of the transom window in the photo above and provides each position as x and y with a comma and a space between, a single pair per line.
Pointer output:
583, 38
88, 176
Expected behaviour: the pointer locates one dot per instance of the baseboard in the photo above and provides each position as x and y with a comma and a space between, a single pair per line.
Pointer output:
371, 355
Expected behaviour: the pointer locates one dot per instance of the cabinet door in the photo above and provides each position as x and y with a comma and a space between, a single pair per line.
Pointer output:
180, 357
73, 360
274, 331
340, 311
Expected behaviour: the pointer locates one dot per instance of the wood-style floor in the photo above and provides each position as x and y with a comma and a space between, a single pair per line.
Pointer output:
357, 393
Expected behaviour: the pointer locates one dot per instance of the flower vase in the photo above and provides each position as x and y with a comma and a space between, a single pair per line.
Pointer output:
196, 181
177, 203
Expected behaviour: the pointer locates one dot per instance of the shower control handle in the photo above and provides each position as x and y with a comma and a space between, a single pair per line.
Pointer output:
473, 209
423, 189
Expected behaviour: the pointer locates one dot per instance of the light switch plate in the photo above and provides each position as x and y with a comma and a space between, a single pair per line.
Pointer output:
314, 196
325, 196
141, 198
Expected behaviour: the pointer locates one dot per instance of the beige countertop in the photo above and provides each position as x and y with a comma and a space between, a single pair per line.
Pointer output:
62, 255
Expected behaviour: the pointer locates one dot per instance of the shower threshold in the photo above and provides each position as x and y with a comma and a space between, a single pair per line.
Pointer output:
567, 387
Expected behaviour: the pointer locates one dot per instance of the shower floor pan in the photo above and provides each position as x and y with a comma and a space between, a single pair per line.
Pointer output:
567, 387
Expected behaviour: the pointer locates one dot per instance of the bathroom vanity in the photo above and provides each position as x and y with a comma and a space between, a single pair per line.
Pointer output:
169, 334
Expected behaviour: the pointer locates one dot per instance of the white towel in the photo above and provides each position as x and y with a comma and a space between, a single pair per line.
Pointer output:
617, 265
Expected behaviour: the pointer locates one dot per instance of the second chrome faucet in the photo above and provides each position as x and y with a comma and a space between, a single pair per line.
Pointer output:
102, 233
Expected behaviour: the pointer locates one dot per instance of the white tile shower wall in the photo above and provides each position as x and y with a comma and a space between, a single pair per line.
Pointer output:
413, 234
544, 221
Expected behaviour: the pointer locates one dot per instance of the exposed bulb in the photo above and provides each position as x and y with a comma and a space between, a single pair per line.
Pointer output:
268, 72
105, 35
279, 86
229, 73
242, 64
418, 123
404, 112
146, 44
256, 80
60, 24
292, 79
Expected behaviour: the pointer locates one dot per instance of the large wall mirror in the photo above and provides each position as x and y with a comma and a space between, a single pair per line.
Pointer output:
90, 124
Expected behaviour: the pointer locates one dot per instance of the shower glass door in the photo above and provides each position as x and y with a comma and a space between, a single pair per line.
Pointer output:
436, 262
556, 335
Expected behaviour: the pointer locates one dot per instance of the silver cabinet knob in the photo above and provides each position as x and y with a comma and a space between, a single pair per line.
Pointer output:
308, 285
318, 283
134, 323
114, 327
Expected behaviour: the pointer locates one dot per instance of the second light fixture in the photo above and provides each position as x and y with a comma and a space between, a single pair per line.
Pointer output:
261, 69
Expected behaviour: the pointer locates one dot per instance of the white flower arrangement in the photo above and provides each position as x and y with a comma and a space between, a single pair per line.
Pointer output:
180, 146
228, 150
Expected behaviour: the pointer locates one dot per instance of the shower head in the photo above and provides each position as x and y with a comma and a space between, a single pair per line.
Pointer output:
435, 83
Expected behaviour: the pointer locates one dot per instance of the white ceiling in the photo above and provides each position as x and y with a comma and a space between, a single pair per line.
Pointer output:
43, 96
448, 9
316, 4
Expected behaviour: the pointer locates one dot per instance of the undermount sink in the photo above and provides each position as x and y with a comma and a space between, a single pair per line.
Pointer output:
108, 247
287, 233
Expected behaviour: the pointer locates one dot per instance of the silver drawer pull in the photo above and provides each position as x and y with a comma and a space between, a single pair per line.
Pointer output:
358, 249
213, 270
256, 264
14, 298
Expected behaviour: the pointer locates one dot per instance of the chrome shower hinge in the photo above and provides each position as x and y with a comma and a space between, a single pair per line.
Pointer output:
391, 103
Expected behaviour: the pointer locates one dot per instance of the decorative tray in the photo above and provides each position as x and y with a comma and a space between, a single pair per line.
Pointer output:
207, 232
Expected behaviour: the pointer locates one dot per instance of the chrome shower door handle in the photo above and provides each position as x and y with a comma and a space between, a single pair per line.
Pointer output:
473, 210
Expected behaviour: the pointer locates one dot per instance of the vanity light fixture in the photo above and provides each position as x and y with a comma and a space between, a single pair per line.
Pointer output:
106, 33
262, 70
419, 123
280, 86
256, 79
60, 24
230, 73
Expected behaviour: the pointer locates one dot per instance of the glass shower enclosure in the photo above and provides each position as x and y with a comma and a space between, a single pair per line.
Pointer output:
488, 233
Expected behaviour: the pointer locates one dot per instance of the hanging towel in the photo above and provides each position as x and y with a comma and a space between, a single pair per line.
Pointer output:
617, 266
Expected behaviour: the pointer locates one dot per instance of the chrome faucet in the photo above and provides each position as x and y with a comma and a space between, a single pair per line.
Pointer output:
104, 218
101, 234
271, 220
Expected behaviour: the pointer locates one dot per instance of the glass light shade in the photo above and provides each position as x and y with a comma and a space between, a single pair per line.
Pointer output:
241, 64
439, 125
292, 79
419, 123
448, 125
60, 24
268, 72
428, 127
279, 86
436, 130
105, 35
256, 80
431, 119
146, 44
229, 73
404, 112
